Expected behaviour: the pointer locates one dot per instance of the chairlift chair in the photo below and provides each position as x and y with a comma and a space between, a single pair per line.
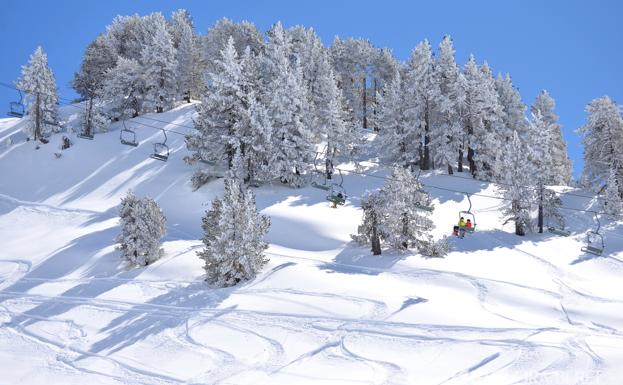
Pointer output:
322, 186
127, 136
337, 193
16, 109
559, 231
594, 240
161, 150
594, 243
426, 205
468, 215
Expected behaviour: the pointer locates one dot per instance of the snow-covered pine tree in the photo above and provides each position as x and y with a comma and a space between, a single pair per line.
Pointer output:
351, 59
127, 36
38, 83
98, 58
370, 231
400, 140
551, 210
142, 228
232, 119
538, 139
233, 232
159, 67
483, 119
221, 109
384, 65
185, 63
560, 173
390, 216
176, 26
514, 117
448, 135
253, 132
285, 95
422, 90
258, 142
404, 225
245, 34
518, 185
93, 118
613, 201
603, 140
330, 120
122, 91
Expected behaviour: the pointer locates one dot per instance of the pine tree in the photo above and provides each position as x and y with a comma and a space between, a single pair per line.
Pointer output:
422, 90
244, 34
613, 199
560, 173
399, 139
93, 118
98, 58
405, 225
142, 228
603, 140
233, 232
370, 232
391, 217
384, 67
180, 29
159, 67
330, 121
517, 186
447, 136
483, 119
285, 96
38, 83
123, 89
219, 111
538, 138
551, 209
351, 59
232, 119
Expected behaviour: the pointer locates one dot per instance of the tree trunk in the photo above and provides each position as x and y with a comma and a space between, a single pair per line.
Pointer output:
38, 117
425, 162
450, 171
519, 228
376, 242
541, 210
328, 168
470, 160
376, 126
460, 165
365, 104
405, 230
90, 117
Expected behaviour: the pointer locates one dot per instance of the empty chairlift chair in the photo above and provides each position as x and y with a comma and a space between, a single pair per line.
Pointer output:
161, 150
127, 136
424, 205
594, 240
16, 109
316, 183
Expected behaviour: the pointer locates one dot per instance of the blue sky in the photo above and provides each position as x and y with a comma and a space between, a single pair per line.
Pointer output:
571, 48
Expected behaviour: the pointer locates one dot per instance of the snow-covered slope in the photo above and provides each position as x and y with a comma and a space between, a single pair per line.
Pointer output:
499, 309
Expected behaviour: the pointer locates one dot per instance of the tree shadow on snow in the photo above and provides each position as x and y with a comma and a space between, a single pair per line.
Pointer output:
359, 260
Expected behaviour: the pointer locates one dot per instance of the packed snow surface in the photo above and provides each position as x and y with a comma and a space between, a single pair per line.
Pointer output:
499, 309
